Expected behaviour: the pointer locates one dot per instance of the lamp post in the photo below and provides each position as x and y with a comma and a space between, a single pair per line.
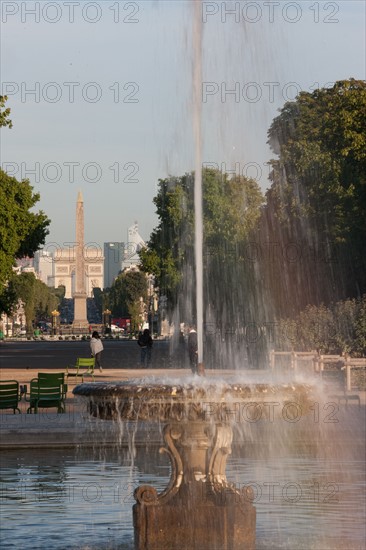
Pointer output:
55, 318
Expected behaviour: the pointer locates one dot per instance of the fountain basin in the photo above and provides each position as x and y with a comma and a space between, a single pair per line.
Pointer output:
197, 429
220, 401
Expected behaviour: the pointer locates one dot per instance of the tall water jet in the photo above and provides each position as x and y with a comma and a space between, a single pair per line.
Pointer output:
197, 131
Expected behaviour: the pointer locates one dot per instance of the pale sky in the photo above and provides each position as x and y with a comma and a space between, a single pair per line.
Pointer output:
101, 92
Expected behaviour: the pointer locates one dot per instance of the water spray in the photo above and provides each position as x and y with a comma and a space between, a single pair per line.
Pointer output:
197, 131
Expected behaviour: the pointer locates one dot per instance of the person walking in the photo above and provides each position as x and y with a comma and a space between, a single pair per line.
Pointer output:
145, 342
181, 359
96, 348
193, 349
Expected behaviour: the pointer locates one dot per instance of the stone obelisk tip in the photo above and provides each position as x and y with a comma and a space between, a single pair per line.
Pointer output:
80, 197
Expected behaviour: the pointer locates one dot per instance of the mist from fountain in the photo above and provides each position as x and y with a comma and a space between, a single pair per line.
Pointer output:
223, 301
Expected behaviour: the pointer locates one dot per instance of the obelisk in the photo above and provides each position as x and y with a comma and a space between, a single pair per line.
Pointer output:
80, 316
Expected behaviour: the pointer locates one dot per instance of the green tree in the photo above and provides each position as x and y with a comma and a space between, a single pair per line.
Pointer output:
38, 299
4, 113
46, 300
22, 231
317, 199
360, 328
59, 292
321, 172
338, 328
171, 240
125, 295
98, 299
231, 209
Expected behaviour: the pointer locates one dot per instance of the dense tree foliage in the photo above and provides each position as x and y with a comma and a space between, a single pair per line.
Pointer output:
338, 328
98, 299
22, 232
4, 113
231, 208
126, 296
321, 171
38, 299
59, 292
316, 206
304, 247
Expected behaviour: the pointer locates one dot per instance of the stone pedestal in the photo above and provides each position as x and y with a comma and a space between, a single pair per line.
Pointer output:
80, 314
200, 508
214, 525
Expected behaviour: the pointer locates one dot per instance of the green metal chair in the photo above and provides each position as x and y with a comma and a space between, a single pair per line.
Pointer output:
87, 363
46, 391
9, 395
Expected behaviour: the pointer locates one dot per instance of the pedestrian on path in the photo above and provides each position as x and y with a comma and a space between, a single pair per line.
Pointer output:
96, 348
193, 349
145, 342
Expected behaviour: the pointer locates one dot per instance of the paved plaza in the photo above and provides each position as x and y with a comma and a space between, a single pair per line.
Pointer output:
56, 355
121, 361
23, 360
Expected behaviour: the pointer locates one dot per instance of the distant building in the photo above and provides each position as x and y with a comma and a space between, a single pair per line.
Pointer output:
114, 253
64, 269
119, 256
43, 264
59, 269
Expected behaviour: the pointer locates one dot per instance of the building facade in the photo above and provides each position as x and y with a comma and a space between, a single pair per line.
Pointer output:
43, 264
114, 253
64, 266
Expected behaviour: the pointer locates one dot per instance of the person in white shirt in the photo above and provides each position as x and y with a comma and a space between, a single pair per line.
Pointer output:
96, 348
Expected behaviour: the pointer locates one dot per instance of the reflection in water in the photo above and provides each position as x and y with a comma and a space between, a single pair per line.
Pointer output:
78, 500
73, 499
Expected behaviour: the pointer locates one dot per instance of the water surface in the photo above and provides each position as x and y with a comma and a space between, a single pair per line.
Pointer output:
69, 499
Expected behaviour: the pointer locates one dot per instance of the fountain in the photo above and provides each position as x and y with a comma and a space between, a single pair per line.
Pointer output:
199, 508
